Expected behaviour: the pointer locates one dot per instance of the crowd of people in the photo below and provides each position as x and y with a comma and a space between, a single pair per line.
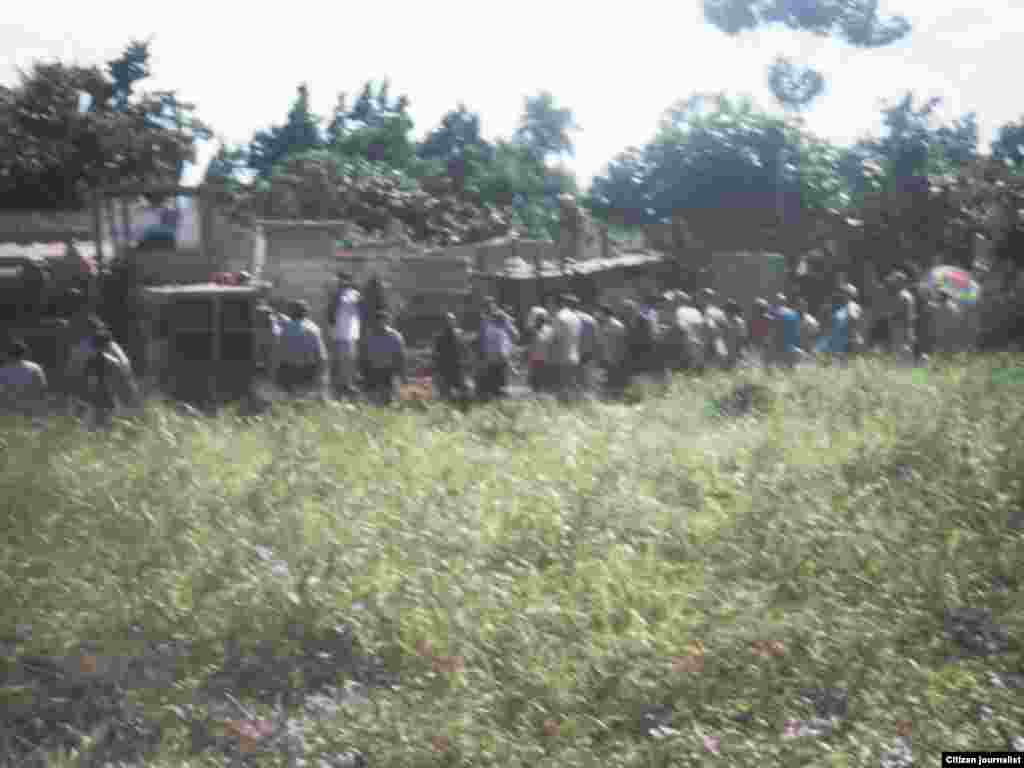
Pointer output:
567, 349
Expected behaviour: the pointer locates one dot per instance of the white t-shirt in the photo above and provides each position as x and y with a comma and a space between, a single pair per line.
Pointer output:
565, 349
690, 321
346, 321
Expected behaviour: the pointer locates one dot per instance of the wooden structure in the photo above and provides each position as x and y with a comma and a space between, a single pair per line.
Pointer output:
202, 340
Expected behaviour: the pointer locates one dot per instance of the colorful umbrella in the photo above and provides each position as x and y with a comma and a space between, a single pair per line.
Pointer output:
955, 281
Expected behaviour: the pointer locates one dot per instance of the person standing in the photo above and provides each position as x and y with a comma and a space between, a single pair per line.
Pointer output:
497, 336
302, 354
23, 386
690, 322
588, 347
854, 319
715, 322
538, 363
762, 335
613, 352
449, 364
902, 317
565, 348
788, 320
736, 332
345, 319
385, 360
810, 329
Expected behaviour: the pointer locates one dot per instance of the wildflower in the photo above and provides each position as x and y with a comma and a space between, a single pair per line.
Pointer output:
768, 649
688, 664
249, 732
449, 664
712, 744
424, 647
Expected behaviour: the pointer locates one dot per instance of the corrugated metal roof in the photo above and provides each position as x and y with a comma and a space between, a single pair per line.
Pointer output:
518, 269
204, 289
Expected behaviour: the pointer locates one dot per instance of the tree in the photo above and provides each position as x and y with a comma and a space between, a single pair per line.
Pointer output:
545, 128
376, 128
53, 150
1008, 146
905, 183
300, 133
856, 22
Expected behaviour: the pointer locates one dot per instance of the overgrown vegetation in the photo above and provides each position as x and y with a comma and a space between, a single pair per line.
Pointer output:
830, 579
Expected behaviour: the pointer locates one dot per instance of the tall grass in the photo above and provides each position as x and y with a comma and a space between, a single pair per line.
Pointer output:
591, 565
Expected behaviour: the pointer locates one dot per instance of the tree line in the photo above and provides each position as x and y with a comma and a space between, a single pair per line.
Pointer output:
922, 184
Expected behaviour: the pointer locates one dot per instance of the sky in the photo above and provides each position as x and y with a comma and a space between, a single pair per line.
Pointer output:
617, 66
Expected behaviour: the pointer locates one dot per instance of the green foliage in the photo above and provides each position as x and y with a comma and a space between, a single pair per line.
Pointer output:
1008, 145
589, 566
714, 154
52, 152
856, 22
545, 128
795, 88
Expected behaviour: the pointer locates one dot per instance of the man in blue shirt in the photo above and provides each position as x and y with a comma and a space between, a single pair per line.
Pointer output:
302, 355
497, 335
385, 360
788, 320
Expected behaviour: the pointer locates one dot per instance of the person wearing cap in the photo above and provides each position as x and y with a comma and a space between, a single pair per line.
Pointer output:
449, 362
385, 359
344, 313
302, 354
565, 347
23, 386
902, 317
496, 340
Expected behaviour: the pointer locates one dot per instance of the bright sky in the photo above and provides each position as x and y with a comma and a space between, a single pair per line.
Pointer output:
617, 66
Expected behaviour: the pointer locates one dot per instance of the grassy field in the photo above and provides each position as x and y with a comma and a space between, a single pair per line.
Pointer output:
833, 579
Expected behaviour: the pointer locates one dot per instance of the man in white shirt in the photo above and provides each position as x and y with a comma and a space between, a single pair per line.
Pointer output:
715, 324
690, 322
565, 347
344, 319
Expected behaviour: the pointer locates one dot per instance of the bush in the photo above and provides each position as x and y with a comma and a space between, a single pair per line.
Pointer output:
613, 584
